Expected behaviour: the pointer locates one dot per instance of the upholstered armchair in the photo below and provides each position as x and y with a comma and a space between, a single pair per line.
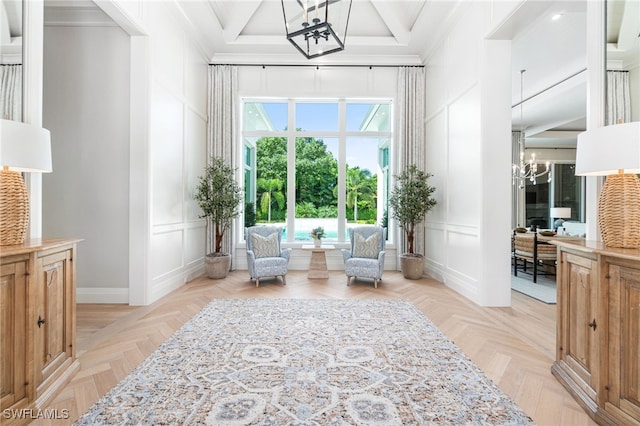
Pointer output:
365, 256
265, 257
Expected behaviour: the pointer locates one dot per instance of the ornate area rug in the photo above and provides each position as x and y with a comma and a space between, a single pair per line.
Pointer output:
307, 362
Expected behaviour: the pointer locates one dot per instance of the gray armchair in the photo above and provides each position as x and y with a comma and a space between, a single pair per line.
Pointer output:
365, 257
265, 257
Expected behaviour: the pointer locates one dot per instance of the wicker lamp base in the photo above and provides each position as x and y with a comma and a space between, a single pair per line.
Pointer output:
619, 211
14, 208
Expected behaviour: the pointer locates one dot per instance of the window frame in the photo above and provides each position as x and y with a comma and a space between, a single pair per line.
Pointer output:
341, 135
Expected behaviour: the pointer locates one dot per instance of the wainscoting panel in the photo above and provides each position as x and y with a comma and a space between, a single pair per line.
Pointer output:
194, 242
166, 253
463, 255
166, 157
434, 242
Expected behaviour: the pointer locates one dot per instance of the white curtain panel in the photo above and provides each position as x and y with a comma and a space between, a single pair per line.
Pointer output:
618, 97
410, 131
221, 119
11, 92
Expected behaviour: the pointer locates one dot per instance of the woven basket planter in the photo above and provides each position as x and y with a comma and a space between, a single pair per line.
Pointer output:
619, 211
14, 208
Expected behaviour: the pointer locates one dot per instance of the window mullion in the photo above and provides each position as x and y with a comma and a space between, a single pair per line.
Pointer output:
342, 167
291, 171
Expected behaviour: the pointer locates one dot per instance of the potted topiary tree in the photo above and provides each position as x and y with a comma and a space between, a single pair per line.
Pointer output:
410, 201
219, 197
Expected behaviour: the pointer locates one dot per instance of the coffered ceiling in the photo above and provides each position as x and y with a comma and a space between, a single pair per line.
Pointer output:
379, 32
406, 32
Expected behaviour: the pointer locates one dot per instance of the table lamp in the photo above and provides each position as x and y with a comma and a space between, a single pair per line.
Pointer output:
559, 214
23, 148
614, 152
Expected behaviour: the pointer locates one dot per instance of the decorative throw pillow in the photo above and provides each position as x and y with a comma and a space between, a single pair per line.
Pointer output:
365, 247
265, 246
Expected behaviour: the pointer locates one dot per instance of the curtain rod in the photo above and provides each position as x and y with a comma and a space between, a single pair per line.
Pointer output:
317, 66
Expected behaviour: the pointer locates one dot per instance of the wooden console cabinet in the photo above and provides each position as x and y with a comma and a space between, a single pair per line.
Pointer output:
37, 325
598, 330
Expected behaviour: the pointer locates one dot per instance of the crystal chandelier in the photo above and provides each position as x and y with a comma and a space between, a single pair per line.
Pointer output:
524, 171
312, 29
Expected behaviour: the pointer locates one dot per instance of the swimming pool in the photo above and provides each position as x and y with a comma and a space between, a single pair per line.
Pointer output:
304, 226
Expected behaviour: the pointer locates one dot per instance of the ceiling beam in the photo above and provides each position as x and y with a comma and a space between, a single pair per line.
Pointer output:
538, 129
557, 134
630, 26
253, 40
243, 11
388, 11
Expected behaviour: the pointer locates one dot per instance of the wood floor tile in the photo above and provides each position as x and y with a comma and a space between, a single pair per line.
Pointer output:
514, 346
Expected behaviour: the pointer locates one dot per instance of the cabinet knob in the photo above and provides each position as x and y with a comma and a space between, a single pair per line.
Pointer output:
593, 324
40, 321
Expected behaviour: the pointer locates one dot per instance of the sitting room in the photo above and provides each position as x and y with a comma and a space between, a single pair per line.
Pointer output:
346, 139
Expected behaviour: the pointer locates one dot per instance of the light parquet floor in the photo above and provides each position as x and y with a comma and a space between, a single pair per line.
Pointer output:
513, 346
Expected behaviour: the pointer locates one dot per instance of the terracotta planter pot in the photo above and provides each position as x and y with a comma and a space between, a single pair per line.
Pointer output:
412, 266
217, 265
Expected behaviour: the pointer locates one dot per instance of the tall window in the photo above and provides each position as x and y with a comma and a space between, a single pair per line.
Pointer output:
311, 163
568, 190
565, 190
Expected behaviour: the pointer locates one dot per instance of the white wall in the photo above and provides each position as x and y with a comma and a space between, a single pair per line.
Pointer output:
177, 151
86, 108
634, 83
168, 147
468, 234
127, 113
469, 152
33, 15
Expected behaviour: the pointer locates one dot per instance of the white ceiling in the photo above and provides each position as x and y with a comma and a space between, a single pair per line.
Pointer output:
10, 29
379, 32
553, 54
405, 32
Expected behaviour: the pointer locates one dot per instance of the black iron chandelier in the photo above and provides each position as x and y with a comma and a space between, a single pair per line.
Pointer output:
314, 29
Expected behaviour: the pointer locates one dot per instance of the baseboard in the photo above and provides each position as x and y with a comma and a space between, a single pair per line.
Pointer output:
455, 280
102, 295
164, 285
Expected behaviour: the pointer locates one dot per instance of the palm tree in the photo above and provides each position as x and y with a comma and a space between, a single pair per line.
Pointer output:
359, 189
272, 191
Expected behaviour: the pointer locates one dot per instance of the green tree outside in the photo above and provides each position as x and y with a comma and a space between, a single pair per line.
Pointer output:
361, 190
316, 182
271, 191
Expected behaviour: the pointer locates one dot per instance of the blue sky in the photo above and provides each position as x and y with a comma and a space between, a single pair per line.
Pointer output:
361, 152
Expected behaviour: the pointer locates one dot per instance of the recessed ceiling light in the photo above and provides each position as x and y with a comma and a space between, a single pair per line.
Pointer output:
556, 16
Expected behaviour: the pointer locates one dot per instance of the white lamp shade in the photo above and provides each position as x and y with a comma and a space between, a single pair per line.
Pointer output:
606, 150
24, 148
560, 212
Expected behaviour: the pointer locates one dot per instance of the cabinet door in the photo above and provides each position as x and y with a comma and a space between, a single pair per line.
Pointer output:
578, 325
623, 384
13, 350
53, 314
